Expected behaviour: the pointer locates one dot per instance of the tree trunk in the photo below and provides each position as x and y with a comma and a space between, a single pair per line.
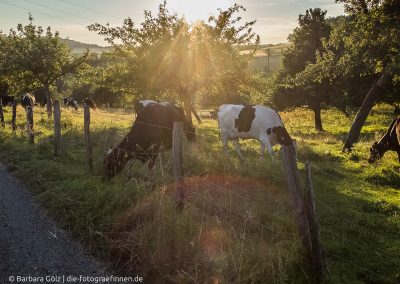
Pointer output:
317, 118
187, 106
48, 102
196, 115
362, 114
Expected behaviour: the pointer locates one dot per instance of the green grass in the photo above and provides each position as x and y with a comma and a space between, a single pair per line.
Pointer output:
244, 233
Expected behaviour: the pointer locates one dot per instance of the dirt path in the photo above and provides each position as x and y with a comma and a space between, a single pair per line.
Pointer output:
30, 242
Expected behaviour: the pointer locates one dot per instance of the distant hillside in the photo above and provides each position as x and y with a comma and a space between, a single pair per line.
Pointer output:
80, 47
264, 63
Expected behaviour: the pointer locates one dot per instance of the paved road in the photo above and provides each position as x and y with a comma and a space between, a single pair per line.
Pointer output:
30, 242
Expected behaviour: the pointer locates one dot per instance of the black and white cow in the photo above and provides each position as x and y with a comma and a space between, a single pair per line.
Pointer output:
7, 100
70, 102
150, 133
139, 105
389, 141
251, 122
89, 102
28, 100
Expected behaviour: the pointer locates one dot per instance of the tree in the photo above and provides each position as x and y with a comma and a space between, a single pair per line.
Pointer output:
164, 54
292, 87
374, 45
36, 58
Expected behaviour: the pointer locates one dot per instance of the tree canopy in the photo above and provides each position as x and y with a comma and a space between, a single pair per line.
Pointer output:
164, 54
293, 87
33, 58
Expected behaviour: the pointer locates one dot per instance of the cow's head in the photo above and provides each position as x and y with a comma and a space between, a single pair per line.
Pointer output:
114, 161
282, 136
376, 152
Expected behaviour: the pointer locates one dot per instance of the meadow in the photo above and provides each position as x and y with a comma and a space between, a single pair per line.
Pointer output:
237, 224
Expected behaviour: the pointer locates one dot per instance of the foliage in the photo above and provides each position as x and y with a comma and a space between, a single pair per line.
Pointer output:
33, 57
357, 203
361, 45
166, 54
295, 88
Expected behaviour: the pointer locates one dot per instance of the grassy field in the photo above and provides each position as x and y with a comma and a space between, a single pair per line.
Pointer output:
237, 224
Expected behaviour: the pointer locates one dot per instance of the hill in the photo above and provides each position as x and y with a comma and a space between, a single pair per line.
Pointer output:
264, 63
80, 47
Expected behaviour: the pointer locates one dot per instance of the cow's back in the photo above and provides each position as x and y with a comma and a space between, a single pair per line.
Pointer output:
239, 121
154, 125
227, 114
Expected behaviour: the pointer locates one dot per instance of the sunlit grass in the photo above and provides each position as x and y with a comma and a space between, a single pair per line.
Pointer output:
358, 204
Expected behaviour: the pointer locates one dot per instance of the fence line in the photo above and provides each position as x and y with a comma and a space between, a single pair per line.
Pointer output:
14, 116
87, 126
1, 113
88, 142
29, 124
57, 129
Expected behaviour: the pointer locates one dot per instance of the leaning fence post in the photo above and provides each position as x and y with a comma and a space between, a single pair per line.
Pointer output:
1, 113
177, 137
14, 116
57, 128
303, 216
319, 263
89, 149
29, 124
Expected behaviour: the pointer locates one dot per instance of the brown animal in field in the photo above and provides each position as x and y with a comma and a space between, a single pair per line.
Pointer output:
389, 142
150, 134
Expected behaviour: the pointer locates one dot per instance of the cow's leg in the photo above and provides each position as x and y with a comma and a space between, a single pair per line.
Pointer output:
152, 161
237, 148
262, 150
266, 143
225, 144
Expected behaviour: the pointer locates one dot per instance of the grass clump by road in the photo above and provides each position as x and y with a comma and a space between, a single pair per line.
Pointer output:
237, 224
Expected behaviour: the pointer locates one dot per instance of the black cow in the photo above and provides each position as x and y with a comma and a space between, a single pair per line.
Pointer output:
389, 141
139, 105
70, 102
151, 133
89, 102
28, 100
7, 100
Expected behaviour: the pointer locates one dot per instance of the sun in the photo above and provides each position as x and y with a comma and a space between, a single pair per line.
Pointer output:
194, 10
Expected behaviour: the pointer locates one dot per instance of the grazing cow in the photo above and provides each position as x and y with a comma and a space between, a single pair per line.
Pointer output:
139, 105
251, 122
70, 102
150, 134
28, 100
7, 100
89, 102
389, 141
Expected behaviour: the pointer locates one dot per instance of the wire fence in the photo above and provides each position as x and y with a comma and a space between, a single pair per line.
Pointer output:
246, 217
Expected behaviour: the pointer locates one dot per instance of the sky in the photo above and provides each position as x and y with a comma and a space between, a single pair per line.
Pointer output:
276, 19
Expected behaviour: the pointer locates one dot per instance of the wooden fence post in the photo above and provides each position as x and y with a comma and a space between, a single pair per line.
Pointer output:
319, 263
1, 113
89, 149
57, 129
29, 124
14, 116
177, 137
307, 224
